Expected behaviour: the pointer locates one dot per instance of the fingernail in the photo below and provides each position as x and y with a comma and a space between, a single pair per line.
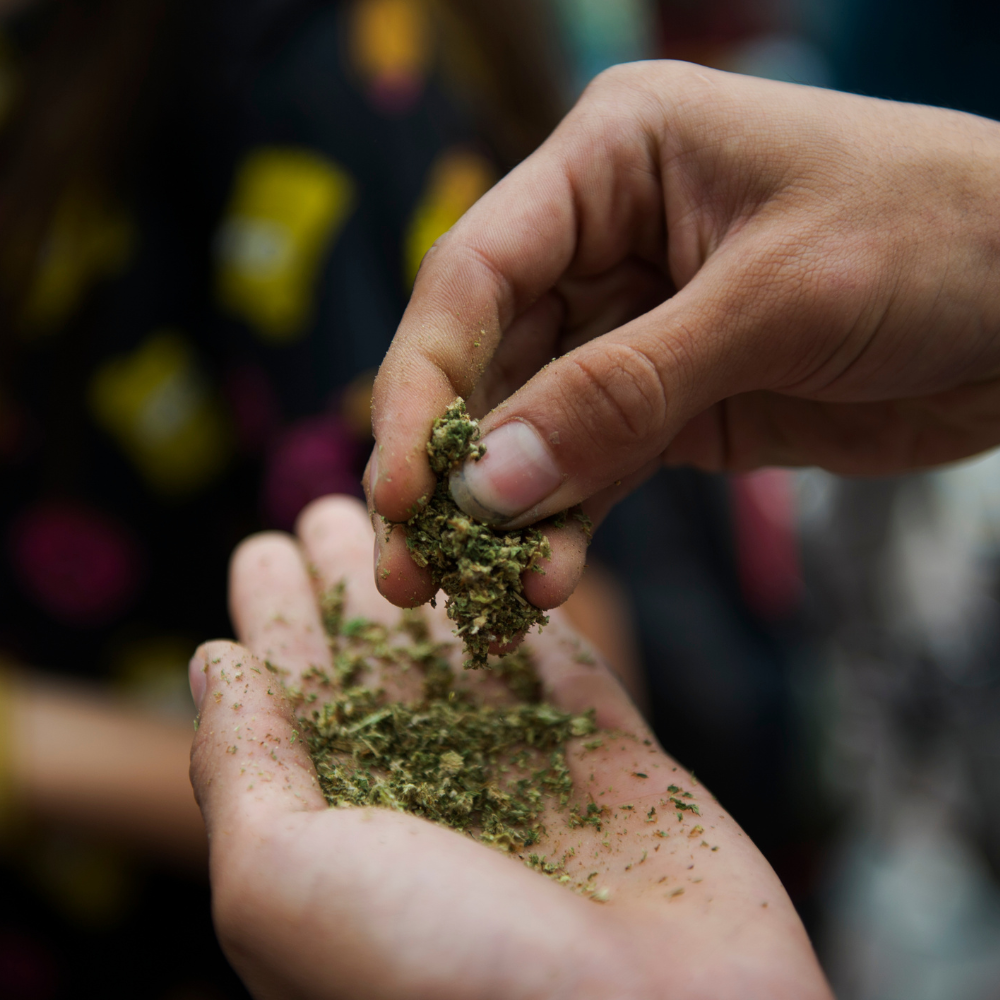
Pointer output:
197, 670
516, 472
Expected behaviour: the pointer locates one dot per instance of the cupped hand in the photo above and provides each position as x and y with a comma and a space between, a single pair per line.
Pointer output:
362, 903
708, 269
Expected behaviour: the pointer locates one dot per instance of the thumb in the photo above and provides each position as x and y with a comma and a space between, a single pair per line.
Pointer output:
609, 408
247, 760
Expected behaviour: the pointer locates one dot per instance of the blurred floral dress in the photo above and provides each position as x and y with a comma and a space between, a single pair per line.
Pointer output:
195, 363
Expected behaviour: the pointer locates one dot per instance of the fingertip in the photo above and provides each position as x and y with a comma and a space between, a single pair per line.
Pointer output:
395, 482
253, 548
332, 514
562, 571
398, 578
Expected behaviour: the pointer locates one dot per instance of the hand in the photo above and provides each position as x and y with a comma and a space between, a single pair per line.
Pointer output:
315, 902
724, 272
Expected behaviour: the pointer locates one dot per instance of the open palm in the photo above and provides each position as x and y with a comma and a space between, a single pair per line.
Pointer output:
368, 902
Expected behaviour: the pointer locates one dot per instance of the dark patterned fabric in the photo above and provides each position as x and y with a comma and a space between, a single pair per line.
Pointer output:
193, 364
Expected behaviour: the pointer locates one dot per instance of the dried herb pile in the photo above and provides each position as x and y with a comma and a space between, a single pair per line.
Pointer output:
447, 757
479, 567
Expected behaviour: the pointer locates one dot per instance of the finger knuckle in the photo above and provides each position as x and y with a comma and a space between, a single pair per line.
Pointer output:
610, 80
622, 397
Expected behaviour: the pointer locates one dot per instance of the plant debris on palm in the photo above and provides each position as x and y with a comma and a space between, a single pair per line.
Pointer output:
486, 770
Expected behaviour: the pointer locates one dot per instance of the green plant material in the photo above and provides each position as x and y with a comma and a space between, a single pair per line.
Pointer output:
592, 817
479, 567
454, 438
682, 805
488, 771
331, 608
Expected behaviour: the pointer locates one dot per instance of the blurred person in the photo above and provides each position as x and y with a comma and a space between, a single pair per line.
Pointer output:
210, 218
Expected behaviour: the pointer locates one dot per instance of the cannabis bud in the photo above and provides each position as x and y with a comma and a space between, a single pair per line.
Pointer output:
479, 567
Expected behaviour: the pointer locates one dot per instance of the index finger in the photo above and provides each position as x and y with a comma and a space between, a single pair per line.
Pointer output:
566, 208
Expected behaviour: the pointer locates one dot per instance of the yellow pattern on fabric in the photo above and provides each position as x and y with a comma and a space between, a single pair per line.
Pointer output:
457, 180
158, 405
286, 209
391, 40
87, 241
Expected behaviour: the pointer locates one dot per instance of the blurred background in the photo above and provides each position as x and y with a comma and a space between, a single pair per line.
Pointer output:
211, 215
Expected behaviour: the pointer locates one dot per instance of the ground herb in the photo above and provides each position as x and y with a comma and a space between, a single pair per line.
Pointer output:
592, 816
479, 567
682, 805
488, 771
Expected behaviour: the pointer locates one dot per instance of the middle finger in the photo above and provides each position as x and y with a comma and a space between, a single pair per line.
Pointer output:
273, 606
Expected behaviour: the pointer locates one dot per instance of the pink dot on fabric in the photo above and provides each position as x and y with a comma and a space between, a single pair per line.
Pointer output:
78, 565
310, 459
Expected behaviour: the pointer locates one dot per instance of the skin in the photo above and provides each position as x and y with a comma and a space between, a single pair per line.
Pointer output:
724, 272
359, 903
80, 759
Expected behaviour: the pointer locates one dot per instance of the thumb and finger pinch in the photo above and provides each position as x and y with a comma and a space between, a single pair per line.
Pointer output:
814, 262
589, 199
490, 269
598, 416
